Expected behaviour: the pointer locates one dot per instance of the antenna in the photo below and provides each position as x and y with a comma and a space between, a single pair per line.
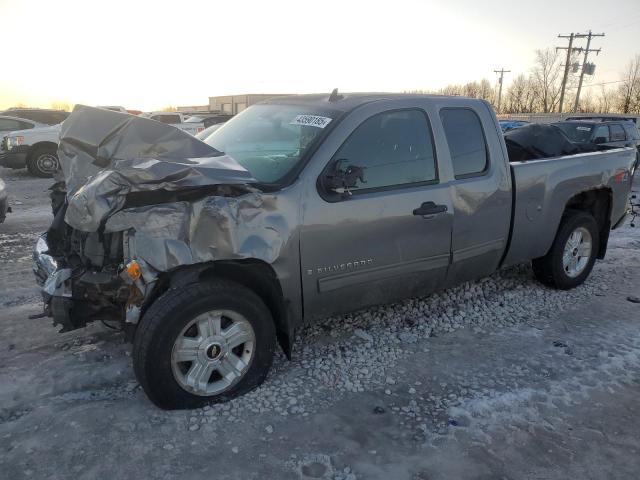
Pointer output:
334, 97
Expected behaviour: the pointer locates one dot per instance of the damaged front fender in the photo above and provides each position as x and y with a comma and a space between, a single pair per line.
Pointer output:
170, 199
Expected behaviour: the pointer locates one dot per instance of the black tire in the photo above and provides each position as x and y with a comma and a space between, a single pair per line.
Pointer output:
40, 158
549, 269
166, 319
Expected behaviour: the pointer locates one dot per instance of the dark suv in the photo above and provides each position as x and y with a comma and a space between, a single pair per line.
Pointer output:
40, 115
602, 133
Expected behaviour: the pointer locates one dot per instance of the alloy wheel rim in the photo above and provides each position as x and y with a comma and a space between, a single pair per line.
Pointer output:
47, 163
577, 252
213, 352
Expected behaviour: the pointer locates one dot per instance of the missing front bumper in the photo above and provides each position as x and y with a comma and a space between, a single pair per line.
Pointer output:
75, 297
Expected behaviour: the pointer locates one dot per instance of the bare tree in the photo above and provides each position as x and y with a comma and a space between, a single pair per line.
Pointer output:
486, 91
452, 90
61, 106
629, 91
520, 96
606, 100
546, 76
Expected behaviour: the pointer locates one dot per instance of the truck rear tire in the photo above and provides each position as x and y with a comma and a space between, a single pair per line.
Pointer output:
203, 343
43, 162
573, 253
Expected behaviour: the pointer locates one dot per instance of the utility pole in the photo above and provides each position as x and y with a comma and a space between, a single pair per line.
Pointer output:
588, 36
569, 50
502, 71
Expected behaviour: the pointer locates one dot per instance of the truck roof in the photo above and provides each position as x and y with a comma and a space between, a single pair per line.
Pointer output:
348, 101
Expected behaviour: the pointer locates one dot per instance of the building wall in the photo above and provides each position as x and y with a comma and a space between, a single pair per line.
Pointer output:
193, 108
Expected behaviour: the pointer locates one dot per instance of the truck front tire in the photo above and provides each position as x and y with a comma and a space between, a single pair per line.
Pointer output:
203, 343
573, 253
43, 162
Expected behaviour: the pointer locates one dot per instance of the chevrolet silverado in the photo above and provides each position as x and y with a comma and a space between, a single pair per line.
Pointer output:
208, 255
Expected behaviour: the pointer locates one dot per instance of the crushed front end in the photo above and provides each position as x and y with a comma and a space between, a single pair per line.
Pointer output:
85, 276
134, 200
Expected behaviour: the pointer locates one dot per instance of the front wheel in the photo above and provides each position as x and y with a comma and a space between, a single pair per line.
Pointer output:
43, 162
203, 343
572, 255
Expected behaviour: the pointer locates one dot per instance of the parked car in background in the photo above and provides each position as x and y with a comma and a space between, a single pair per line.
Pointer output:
607, 118
507, 125
36, 149
4, 202
41, 115
618, 133
175, 119
208, 119
319, 205
203, 135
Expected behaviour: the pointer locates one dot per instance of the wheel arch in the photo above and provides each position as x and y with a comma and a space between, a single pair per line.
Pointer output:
255, 274
38, 145
598, 203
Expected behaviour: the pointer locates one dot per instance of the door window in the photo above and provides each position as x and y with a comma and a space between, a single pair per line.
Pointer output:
617, 133
466, 141
393, 148
601, 132
632, 131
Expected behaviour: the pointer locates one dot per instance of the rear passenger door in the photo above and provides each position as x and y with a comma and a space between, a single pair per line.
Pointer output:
480, 190
390, 236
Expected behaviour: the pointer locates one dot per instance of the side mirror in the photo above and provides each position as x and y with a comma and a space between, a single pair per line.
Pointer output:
342, 179
600, 140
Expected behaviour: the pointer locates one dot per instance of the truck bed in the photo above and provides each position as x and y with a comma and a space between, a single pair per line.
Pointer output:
542, 188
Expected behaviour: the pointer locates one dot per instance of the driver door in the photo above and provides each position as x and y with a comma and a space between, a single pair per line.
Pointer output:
389, 237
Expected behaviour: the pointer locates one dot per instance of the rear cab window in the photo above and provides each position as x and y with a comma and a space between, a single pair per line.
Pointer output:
466, 141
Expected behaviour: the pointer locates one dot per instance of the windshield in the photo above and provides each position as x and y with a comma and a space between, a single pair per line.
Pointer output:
269, 140
577, 132
194, 119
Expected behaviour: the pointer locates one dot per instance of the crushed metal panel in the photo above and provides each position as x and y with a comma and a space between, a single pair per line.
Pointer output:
107, 155
184, 233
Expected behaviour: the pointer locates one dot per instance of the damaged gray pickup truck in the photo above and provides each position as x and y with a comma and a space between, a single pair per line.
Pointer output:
209, 254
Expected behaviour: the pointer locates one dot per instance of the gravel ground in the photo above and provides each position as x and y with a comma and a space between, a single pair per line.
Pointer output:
500, 378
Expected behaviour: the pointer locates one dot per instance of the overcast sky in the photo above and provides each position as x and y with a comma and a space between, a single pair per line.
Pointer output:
148, 54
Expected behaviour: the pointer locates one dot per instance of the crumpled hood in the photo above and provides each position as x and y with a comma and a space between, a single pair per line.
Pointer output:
106, 155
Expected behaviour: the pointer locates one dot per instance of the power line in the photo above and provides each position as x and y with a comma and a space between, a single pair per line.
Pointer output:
601, 83
502, 71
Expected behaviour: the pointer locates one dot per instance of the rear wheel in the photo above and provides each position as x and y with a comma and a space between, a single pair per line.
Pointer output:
573, 253
43, 162
203, 343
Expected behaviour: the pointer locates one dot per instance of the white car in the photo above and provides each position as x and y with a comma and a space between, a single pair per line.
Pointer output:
36, 149
176, 119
